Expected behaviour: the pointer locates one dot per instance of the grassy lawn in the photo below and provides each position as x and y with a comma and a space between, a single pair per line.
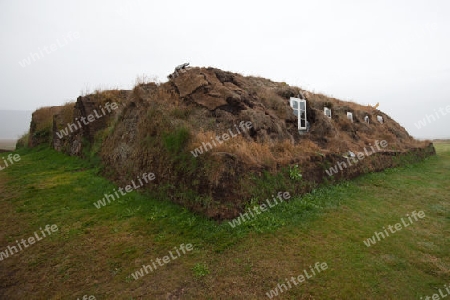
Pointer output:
95, 251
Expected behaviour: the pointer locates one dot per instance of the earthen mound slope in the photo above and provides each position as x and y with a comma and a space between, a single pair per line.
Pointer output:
215, 140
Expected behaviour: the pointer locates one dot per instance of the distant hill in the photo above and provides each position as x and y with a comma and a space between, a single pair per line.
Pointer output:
13, 123
7, 145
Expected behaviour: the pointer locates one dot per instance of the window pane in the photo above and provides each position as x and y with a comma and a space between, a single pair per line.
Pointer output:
294, 104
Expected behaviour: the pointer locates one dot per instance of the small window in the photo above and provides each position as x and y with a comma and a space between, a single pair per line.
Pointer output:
350, 116
367, 119
380, 119
327, 112
299, 107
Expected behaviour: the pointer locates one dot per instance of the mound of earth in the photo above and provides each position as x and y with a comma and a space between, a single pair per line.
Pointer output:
217, 140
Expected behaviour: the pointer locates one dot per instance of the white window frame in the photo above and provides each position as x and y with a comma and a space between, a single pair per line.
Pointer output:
367, 119
327, 112
380, 119
350, 116
299, 107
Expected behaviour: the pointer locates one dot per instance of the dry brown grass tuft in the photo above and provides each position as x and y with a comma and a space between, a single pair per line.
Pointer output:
67, 112
43, 117
273, 102
258, 154
42, 125
102, 97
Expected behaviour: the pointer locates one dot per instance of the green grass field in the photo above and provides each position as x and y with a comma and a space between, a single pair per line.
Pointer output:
95, 250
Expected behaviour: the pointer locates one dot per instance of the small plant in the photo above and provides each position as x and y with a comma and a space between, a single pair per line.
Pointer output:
294, 173
200, 270
253, 202
176, 141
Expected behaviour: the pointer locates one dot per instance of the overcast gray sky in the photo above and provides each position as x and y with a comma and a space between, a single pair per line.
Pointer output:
392, 52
